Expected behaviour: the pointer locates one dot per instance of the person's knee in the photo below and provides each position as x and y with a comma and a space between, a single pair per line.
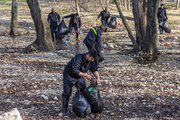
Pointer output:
67, 90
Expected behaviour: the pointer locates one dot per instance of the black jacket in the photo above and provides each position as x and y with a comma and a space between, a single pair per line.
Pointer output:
92, 40
75, 66
53, 18
104, 16
162, 16
73, 21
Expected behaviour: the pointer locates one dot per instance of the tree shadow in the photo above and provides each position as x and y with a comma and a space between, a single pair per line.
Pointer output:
21, 25
115, 106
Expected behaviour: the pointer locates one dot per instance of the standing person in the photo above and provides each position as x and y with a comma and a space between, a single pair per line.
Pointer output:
54, 19
162, 17
74, 74
93, 39
75, 22
105, 15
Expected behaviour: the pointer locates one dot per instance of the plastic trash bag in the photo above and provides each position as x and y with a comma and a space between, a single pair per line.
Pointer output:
166, 27
62, 28
92, 95
161, 24
60, 37
81, 107
113, 22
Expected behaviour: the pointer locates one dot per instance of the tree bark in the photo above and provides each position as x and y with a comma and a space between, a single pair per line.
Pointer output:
120, 4
177, 4
139, 21
145, 18
125, 4
14, 20
129, 5
127, 27
151, 35
43, 41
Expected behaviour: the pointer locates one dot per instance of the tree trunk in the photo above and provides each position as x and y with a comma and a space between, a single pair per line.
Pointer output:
14, 20
177, 4
151, 35
120, 4
125, 4
43, 41
145, 18
127, 27
129, 5
77, 6
102, 4
139, 21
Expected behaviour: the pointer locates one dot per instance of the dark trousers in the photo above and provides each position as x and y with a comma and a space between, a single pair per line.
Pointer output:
70, 31
160, 29
161, 25
53, 31
67, 90
105, 22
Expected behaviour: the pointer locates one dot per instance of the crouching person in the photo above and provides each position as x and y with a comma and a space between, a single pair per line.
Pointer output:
75, 73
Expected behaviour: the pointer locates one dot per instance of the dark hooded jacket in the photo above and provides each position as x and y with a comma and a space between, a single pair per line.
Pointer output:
75, 66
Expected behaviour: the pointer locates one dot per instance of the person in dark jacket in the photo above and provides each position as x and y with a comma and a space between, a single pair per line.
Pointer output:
105, 15
74, 74
54, 19
75, 22
162, 17
93, 39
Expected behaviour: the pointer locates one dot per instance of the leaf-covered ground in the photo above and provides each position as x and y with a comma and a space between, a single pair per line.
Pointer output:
33, 82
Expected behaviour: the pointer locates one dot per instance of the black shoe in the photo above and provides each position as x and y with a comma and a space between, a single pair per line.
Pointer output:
65, 112
100, 66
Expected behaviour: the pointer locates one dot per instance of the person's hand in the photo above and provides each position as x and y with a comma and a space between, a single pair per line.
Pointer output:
102, 52
89, 77
97, 20
98, 81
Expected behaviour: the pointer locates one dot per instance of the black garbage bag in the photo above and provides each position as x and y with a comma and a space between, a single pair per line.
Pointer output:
60, 37
81, 107
161, 24
92, 95
62, 28
166, 27
113, 22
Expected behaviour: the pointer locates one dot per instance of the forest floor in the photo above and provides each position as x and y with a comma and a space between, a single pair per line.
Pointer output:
32, 83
